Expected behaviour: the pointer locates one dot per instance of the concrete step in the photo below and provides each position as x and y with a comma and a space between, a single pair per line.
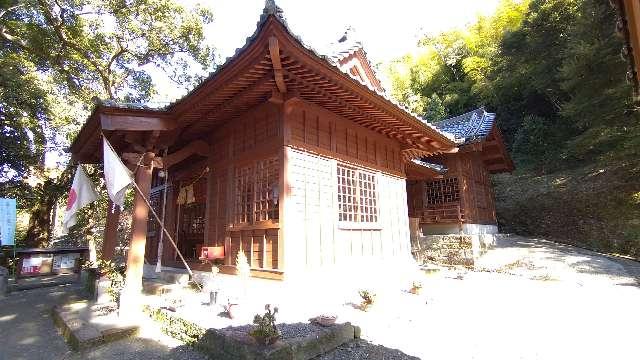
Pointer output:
174, 277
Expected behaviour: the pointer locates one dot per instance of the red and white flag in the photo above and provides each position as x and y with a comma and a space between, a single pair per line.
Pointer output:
116, 176
81, 194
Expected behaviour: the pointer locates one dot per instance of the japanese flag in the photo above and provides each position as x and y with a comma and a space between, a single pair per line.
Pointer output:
81, 194
116, 176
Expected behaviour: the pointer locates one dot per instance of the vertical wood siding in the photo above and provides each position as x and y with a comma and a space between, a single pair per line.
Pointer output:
314, 235
318, 130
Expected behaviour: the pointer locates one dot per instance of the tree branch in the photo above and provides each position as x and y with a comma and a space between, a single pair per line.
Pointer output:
56, 24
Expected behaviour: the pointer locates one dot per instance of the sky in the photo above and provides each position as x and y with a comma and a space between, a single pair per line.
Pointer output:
387, 29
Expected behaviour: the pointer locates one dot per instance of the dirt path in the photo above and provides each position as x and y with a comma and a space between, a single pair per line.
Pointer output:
539, 259
530, 299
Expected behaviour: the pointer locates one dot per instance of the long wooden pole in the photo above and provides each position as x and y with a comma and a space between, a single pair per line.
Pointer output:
162, 226
164, 208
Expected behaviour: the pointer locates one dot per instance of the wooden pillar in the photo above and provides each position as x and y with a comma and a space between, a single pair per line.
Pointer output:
110, 240
135, 256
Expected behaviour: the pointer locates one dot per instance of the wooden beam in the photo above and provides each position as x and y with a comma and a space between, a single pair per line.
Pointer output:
195, 147
274, 52
135, 123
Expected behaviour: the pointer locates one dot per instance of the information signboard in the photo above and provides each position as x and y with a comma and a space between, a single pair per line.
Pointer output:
7, 221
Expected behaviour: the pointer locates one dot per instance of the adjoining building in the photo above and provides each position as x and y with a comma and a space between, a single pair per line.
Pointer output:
456, 196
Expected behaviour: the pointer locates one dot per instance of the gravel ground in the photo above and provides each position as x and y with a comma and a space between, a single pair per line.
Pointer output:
362, 349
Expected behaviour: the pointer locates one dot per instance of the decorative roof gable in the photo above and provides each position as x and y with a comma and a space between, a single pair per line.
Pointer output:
469, 127
348, 55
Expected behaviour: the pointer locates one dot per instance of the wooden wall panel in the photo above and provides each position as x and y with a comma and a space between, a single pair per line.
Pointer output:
476, 192
314, 236
320, 131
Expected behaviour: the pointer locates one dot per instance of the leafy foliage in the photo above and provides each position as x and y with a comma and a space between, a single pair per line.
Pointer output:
550, 69
57, 56
176, 327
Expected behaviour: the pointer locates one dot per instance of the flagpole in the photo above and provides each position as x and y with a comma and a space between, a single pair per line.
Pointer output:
135, 185
142, 195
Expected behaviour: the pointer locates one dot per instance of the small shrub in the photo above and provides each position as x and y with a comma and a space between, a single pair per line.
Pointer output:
178, 328
265, 331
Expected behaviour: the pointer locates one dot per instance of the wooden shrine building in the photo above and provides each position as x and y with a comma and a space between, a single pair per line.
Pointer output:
456, 195
297, 158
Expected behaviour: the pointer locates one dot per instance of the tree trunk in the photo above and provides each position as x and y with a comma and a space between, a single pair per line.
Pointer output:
40, 229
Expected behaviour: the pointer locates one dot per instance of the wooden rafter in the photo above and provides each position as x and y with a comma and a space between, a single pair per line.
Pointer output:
361, 117
274, 52
262, 85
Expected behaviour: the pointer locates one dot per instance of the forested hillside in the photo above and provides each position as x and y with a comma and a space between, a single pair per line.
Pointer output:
553, 72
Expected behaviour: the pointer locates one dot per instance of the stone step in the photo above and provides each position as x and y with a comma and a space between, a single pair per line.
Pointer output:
157, 287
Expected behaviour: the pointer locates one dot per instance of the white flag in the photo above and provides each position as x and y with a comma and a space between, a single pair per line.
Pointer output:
116, 176
81, 194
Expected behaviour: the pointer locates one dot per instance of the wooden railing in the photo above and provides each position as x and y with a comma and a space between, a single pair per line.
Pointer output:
443, 213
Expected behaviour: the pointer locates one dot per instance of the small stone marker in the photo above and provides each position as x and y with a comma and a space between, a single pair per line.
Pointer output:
102, 293
4, 281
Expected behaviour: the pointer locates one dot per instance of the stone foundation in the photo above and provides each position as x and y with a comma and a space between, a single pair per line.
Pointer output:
451, 249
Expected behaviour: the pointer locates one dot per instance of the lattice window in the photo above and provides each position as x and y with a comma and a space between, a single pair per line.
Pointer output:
256, 192
357, 195
266, 190
155, 199
244, 194
192, 222
367, 198
442, 191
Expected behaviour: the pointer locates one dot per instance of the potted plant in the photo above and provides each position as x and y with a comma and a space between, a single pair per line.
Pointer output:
368, 298
416, 287
265, 331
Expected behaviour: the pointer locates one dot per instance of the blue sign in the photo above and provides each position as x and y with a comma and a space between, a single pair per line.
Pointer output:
7, 221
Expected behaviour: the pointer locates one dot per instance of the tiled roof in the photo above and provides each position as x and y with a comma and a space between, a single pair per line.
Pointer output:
469, 127
271, 8
345, 46
441, 169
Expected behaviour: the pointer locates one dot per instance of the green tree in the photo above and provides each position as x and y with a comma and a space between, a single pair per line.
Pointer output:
83, 49
455, 65
593, 76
